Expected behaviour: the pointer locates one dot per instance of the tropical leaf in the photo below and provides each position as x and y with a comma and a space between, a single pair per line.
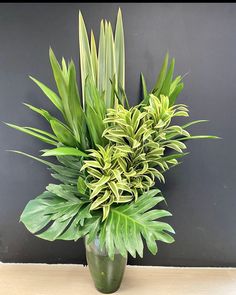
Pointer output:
85, 61
63, 133
94, 57
101, 59
165, 84
43, 132
165, 90
161, 76
81, 185
58, 75
175, 93
199, 137
110, 64
83, 225
40, 111
64, 151
144, 89
61, 82
120, 51
49, 216
50, 94
35, 133
76, 110
193, 123
127, 224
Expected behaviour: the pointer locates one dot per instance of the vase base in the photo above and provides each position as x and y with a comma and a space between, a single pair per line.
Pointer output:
106, 273
107, 291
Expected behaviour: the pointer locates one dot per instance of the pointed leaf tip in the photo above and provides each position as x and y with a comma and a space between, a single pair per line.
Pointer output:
119, 12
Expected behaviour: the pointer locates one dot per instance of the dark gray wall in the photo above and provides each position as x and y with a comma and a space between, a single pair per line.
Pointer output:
200, 192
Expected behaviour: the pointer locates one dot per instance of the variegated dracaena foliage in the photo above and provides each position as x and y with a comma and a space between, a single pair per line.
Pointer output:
139, 139
63, 213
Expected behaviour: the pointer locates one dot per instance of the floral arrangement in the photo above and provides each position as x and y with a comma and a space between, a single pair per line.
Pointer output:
109, 155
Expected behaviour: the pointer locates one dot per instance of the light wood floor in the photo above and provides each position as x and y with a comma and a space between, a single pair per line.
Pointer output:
40, 279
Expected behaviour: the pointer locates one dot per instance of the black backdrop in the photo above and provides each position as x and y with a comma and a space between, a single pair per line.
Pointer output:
200, 192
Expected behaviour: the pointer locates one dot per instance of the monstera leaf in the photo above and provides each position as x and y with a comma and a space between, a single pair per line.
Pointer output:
51, 214
59, 214
127, 224
63, 211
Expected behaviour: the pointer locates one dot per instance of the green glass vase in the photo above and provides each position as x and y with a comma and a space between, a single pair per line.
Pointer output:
107, 274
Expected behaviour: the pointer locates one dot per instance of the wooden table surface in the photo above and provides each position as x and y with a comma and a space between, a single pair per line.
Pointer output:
43, 279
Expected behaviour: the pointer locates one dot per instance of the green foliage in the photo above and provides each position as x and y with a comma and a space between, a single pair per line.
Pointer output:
139, 139
54, 212
59, 213
64, 151
128, 224
106, 180
102, 80
46, 137
109, 155
165, 84
107, 64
